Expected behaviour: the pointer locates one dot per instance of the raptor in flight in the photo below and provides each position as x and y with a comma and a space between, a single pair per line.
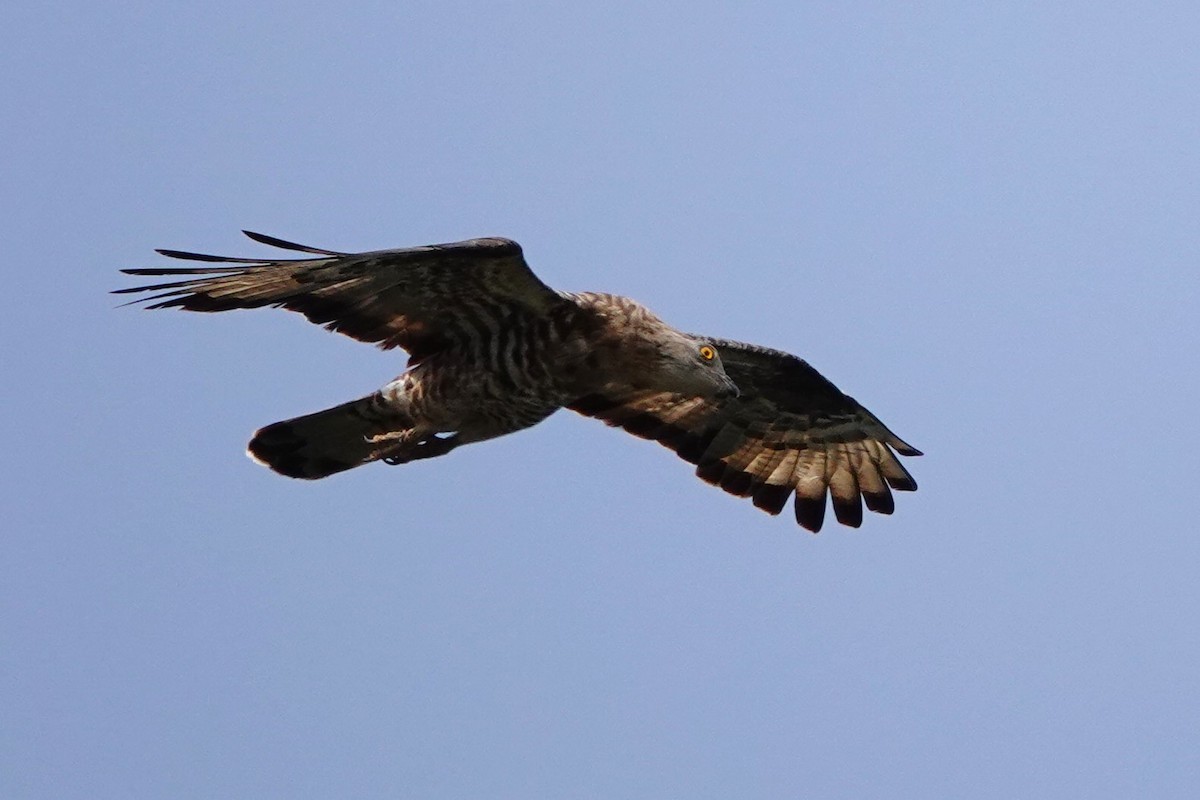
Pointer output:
493, 350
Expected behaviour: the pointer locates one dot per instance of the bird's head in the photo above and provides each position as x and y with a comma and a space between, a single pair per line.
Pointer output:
690, 365
628, 346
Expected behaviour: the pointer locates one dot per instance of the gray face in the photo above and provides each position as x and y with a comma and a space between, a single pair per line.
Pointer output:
693, 366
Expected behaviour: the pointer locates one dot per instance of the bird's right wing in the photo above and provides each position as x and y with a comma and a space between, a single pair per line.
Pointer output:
418, 298
790, 434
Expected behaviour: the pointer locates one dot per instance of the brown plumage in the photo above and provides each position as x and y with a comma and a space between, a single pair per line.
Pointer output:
494, 350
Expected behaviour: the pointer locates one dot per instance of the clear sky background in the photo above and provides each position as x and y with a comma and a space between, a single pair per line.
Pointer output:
980, 219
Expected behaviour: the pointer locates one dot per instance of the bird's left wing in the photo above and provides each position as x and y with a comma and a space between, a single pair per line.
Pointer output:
418, 298
790, 432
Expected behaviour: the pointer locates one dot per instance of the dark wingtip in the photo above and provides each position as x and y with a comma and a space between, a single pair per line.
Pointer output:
711, 472
737, 483
771, 497
160, 271
905, 484
692, 447
810, 512
849, 512
880, 502
283, 244
189, 256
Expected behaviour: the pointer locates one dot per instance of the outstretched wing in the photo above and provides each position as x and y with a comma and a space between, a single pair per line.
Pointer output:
418, 298
791, 432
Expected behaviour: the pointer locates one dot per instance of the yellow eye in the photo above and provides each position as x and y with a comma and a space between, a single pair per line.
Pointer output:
707, 353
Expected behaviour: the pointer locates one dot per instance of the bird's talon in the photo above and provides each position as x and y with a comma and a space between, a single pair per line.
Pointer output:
389, 436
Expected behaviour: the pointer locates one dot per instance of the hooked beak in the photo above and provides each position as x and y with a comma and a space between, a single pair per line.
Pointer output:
730, 391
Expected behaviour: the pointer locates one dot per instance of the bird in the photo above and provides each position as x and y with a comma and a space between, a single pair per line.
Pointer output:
493, 350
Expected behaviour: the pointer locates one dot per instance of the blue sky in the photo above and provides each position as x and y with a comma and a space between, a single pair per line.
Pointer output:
981, 220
